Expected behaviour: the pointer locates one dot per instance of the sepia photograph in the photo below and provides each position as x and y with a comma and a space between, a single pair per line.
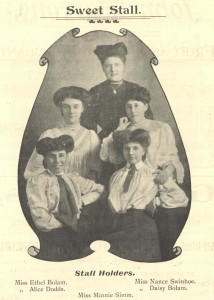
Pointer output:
103, 160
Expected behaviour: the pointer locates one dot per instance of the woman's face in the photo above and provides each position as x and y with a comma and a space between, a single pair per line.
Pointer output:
133, 152
71, 110
135, 110
114, 68
55, 161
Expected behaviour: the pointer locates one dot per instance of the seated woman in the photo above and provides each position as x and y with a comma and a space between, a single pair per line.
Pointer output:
84, 159
57, 201
130, 230
133, 196
162, 157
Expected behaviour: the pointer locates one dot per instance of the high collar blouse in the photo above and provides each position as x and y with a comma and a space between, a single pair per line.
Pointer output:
142, 189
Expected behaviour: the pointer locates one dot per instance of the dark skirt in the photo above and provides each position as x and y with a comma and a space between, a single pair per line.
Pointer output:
66, 244
170, 223
132, 236
58, 245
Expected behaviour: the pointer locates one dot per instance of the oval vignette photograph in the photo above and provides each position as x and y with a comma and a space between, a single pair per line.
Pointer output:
102, 157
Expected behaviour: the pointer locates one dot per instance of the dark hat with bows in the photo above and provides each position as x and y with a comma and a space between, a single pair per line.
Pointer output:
105, 51
47, 144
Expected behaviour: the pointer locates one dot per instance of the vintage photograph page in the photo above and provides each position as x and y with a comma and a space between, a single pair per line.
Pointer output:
107, 166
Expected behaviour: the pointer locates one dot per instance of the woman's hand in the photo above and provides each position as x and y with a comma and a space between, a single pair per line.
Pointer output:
123, 123
163, 175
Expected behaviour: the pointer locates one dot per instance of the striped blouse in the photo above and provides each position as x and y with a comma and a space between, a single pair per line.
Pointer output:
43, 193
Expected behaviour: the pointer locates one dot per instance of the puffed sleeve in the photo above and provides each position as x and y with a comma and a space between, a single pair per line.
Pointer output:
38, 204
104, 152
171, 195
169, 152
90, 190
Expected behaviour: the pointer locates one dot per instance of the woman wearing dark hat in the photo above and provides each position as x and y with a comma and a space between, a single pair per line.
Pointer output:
107, 103
85, 158
56, 201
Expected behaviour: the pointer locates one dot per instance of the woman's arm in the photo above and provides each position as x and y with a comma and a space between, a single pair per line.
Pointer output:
171, 195
169, 160
38, 204
90, 190
109, 153
105, 148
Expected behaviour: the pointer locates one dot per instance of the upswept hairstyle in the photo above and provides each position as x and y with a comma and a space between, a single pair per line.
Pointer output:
122, 137
71, 92
63, 142
116, 50
138, 93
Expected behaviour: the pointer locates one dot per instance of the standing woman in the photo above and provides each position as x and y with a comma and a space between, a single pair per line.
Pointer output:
84, 160
107, 102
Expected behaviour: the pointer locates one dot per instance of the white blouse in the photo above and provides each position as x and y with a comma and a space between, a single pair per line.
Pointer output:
82, 160
161, 151
142, 190
43, 193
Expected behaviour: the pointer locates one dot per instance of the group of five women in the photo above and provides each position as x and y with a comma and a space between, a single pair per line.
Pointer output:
108, 138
